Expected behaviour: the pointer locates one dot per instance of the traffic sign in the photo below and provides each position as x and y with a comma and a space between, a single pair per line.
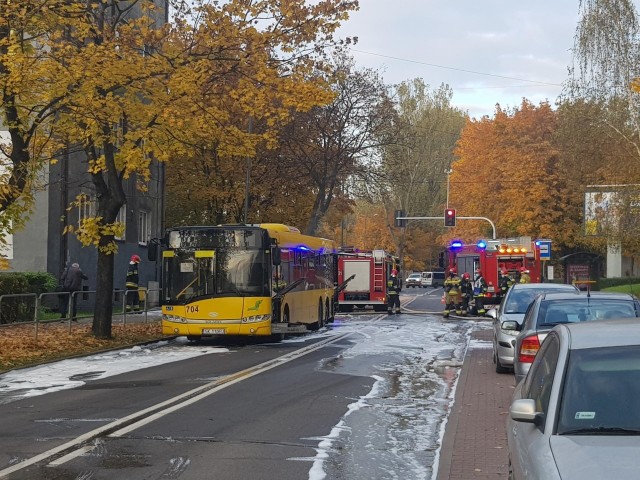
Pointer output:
545, 250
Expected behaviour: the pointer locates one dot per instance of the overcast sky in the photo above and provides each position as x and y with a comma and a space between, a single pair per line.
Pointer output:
529, 41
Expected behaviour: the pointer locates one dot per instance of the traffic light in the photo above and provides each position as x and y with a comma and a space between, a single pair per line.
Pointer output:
449, 217
398, 222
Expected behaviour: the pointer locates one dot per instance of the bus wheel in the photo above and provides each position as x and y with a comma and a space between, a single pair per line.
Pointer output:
320, 323
332, 312
327, 314
278, 337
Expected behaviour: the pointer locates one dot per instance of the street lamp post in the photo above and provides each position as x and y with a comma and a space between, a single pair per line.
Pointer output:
247, 182
448, 172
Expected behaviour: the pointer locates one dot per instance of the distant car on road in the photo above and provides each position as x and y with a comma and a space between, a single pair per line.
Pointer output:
576, 415
550, 309
512, 309
414, 280
432, 279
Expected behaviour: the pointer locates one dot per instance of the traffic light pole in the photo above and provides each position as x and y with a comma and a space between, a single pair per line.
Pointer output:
459, 218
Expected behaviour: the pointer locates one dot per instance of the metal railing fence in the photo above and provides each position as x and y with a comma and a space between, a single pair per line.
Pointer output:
33, 308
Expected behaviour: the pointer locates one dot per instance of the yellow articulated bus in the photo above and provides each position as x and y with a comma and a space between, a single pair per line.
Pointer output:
262, 280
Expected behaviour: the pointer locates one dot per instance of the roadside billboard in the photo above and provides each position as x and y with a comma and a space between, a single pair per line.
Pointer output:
610, 210
600, 216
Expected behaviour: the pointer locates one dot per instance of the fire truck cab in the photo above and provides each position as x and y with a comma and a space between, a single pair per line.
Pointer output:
493, 256
370, 270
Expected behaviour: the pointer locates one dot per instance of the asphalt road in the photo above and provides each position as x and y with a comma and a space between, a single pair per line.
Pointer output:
254, 412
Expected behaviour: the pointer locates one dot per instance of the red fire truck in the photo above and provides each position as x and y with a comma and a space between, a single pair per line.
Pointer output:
493, 256
366, 273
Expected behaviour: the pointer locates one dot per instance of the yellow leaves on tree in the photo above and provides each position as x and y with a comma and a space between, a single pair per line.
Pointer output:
248, 79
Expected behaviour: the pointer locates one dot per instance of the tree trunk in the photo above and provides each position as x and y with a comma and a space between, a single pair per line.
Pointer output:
102, 318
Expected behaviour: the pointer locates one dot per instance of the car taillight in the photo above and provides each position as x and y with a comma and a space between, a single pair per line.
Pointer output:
528, 349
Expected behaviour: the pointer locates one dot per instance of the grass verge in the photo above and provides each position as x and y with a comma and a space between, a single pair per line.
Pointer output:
634, 289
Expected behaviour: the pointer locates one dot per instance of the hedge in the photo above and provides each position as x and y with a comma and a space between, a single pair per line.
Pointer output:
614, 282
21, 309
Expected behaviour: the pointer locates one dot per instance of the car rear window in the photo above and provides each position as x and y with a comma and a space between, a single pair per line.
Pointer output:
519, 300
569, 311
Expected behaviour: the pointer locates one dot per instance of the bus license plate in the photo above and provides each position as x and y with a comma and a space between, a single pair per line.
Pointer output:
213, 331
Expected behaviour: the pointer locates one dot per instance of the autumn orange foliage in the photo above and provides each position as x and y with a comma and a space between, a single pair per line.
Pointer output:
508, 171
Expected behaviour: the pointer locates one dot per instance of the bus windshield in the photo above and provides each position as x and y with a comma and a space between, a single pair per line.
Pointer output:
212, 263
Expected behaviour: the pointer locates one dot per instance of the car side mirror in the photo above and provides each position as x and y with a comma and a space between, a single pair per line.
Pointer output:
492, 312
276, 257
152, 249
523, 410
510, 325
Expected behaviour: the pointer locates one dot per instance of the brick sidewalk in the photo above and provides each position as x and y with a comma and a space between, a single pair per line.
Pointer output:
475, 441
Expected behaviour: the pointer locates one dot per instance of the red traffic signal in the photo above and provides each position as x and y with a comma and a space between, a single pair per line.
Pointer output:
449, 217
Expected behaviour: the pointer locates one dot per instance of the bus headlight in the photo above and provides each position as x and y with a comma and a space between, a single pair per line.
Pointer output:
256, 319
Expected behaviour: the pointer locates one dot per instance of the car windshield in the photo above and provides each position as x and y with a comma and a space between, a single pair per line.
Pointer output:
583, 309
601, 391
519, 300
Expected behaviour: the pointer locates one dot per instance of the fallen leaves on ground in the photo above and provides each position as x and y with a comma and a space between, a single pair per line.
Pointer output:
19, 347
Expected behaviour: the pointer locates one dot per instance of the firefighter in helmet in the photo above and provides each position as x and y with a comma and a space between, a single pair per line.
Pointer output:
393, 293
505, 282
479, 292
466, 292
452, 293
133, 299
524, 275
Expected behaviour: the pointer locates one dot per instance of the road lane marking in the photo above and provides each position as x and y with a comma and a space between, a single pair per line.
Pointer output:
119, 427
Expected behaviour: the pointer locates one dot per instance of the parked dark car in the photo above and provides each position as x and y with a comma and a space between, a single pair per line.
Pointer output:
551, 309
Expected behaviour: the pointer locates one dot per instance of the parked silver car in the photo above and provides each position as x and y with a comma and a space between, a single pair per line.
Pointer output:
576, 415
512, 309
550, 309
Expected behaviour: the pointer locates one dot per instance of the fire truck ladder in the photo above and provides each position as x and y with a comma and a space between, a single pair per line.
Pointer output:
378, 270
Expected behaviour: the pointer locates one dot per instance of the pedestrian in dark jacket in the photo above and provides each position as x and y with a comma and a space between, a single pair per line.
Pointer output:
70, 282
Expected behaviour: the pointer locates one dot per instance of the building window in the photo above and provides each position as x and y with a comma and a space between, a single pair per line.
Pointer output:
86, 207
144, 227
122, 218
